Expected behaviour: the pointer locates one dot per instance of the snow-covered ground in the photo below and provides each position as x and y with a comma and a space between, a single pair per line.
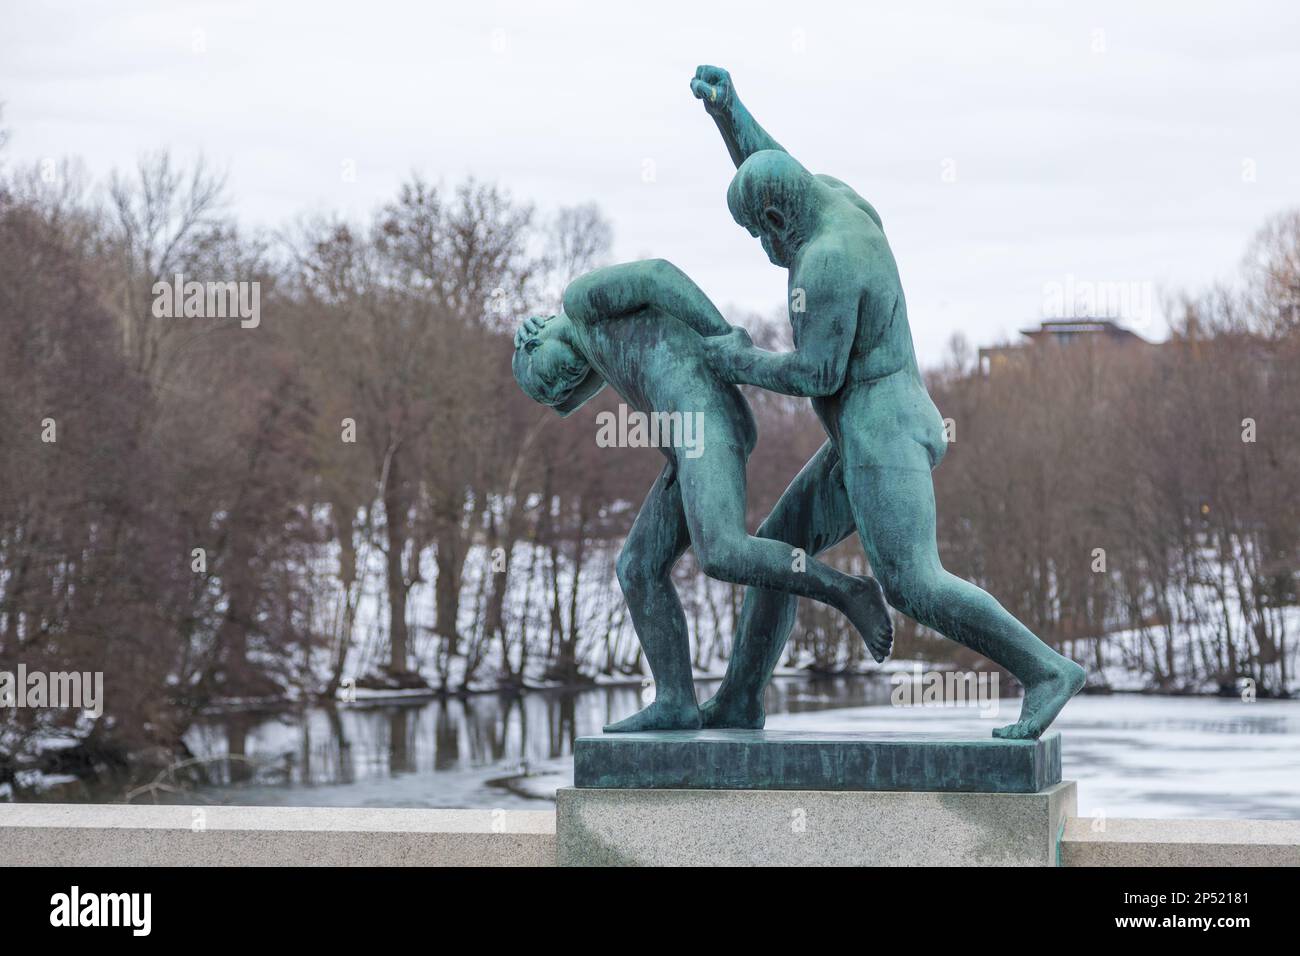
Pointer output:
1206, 616
1133, 756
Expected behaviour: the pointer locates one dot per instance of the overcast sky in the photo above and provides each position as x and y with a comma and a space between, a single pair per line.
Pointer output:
1112, 142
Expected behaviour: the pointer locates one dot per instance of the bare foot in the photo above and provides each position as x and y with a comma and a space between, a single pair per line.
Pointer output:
1043, 701
723, 714
869, 613
659, 716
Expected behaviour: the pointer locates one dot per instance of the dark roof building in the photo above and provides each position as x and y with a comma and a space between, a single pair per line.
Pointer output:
1061, 333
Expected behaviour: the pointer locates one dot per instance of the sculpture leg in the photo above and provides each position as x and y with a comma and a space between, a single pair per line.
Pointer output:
658, 538
813, 514
713, 497
895, 514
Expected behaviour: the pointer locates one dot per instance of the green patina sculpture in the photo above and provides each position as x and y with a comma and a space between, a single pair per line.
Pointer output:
854, 358
641, 328
649, 332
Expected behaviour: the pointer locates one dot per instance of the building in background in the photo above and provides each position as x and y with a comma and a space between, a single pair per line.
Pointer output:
1063, 333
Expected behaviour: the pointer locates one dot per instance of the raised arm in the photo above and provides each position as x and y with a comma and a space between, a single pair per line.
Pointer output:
740, 131
823, 341
617, 291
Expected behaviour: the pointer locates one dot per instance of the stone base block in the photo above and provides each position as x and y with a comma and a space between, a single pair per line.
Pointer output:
627, 827
1128, 843
802, 760
119, 835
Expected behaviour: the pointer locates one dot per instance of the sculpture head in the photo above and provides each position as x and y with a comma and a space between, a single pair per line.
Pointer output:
546, 365
771, 195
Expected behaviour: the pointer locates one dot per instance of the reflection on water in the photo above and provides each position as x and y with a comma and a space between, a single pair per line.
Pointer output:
498, 742
1132, 756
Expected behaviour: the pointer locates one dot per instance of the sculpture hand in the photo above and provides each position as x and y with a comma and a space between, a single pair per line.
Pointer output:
712, 84
724, 352
530, 328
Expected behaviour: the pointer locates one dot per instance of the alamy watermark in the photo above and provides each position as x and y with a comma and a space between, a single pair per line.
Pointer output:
1132, 300
133, 911
922, 688
176, 298
632, 429
70, 689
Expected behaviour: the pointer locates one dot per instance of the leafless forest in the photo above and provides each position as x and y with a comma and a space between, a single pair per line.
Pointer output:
185, 507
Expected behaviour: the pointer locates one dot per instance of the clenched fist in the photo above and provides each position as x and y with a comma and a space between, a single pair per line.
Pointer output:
712, 84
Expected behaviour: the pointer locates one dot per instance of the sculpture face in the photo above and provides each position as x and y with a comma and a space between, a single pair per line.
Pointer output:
774, 240
770, 196
545, 365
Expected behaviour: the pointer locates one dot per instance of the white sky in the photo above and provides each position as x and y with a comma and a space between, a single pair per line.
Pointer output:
1118, 166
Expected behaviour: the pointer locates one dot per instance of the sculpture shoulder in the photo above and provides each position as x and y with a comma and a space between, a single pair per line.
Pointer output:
845, 191
833, 257
616, 290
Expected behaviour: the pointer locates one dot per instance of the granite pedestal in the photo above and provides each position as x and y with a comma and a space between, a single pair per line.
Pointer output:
744, 798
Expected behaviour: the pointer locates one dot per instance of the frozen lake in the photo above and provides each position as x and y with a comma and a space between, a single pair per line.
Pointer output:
1137, 756
1133, 755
